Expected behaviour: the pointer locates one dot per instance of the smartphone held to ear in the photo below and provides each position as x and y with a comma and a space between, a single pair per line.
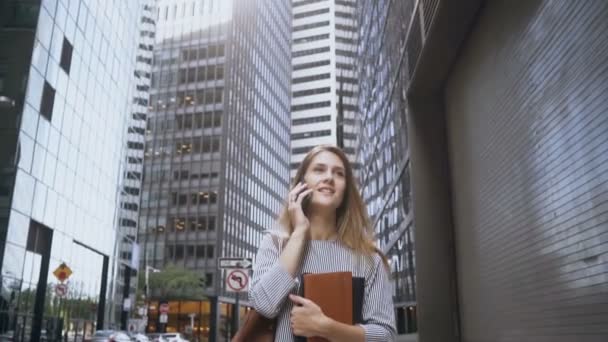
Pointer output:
306, 202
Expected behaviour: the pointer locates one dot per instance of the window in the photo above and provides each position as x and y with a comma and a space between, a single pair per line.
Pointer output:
310, 39
345, 40
135, 145
219, 95
350, 80
134, 175
345, 66
313, 119
311, 13
139, 116
310, 26
310, 78
135, 160
306, 2
345, 3
211, 224
310, 52
131, 190
308, 106
212, 51
298, 150
66, 55
311, 92
47, 101
179, 251
210, 251
306, 135
130, 206
346, 28
208, 279
345, 53
137, 130
343, 15
200, 251
128, 223
310, 65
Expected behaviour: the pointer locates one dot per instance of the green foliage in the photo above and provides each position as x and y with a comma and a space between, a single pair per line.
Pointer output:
176, 283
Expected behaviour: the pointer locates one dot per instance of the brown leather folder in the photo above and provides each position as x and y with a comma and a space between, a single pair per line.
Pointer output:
333, 292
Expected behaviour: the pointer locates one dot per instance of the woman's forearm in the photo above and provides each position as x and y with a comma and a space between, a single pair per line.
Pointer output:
336, 331
293, 250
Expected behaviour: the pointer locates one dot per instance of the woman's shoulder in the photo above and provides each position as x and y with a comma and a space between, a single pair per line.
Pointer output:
273, 238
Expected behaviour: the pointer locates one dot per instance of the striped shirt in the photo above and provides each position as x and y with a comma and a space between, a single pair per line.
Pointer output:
271, 285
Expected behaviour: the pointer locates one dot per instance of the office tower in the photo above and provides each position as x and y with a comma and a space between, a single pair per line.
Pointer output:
66, 84
128, 251
217, 144
382, 148
324, 43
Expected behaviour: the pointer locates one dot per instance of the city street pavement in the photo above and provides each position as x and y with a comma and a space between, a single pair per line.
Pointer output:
407, 338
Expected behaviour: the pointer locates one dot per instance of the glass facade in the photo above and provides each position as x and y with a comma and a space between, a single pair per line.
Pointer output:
217, 139
66, 85
382, 144
128, 251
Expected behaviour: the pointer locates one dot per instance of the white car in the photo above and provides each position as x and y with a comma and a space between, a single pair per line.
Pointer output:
156, 337
137, 337
174, 337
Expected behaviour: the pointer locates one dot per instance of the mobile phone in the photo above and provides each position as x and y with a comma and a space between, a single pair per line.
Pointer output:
306, 203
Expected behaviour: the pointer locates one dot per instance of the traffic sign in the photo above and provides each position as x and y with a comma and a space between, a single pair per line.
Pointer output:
61, 290
237, 280
235, 263
63, 272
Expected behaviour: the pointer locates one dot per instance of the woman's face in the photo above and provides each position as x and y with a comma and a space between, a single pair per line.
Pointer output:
327, 177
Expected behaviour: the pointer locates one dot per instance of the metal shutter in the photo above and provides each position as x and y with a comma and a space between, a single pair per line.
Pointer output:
527, 111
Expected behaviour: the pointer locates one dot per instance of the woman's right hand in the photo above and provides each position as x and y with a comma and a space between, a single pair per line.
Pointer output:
299, 221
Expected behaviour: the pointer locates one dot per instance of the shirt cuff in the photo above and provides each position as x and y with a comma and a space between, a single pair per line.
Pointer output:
376, 333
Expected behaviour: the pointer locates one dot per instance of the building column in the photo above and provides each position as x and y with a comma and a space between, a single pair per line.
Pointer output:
435, 264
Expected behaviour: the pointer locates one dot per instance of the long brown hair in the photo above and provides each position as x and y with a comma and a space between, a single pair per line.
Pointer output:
354, 226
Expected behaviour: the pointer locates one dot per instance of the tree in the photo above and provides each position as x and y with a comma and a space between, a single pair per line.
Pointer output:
176, 283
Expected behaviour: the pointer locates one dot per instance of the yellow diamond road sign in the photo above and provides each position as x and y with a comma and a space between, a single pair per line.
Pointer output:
62, 272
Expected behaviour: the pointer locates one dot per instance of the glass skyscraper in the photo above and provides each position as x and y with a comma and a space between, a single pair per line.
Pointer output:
382, 144
127, 248
66, 85
217, 144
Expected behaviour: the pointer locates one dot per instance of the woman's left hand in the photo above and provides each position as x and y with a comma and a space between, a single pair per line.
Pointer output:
307, 318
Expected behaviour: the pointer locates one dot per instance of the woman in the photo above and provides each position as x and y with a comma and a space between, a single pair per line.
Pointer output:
327, 230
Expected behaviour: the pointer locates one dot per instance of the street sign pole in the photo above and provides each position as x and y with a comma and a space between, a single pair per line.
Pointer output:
235, 316
233, 262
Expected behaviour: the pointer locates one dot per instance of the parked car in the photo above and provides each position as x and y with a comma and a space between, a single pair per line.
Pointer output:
174, 337
111, 336
137, 337
156, 337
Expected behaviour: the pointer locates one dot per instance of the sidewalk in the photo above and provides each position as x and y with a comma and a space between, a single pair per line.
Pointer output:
407, 338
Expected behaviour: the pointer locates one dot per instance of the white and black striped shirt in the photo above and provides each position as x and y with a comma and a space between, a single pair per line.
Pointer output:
271, 285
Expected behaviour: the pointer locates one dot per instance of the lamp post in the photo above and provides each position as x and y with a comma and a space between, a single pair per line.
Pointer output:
148, 269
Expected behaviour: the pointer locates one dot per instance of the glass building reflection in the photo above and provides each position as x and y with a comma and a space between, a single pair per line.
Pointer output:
382, 146
69, 76
217, 145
